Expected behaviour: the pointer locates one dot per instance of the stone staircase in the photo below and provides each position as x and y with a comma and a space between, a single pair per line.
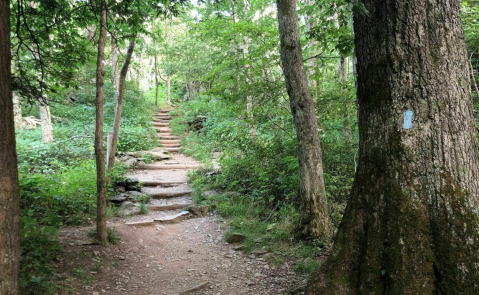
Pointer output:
166, 181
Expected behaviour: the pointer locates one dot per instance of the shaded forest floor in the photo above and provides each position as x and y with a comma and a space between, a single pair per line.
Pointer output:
186, 256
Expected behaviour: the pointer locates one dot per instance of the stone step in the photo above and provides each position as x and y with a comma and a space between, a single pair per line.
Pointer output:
167, 207
170, 145
141, 223
142, 165
160, 121
160, 124
168, 137
173, 218
166, 118
172, 149
169, 141
169, 195
162, 183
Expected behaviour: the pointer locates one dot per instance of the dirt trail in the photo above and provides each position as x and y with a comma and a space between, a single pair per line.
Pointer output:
188, 256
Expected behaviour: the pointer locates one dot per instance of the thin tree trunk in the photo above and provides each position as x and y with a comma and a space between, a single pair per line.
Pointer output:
473, 78
100, 157
46, 120
344, 81
156, 81
119, 105
410, 226
9, 187
168, 90
17, 111
235, 44
315, 220
114, 63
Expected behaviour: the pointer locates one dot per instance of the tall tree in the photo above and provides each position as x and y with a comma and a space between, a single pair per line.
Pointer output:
411, 223
9, 187
315, 220
99, 155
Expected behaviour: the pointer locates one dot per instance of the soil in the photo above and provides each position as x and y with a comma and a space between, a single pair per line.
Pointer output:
188, 257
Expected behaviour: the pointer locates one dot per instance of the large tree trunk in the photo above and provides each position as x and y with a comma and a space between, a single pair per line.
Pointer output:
100, 157
46, 120
315, 216
411, 224
9, 189
119, 105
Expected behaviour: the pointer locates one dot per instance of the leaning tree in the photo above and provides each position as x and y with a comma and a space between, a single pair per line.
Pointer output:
411, 224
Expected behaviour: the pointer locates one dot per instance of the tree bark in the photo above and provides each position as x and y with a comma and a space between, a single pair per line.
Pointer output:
411, 223
119, 104
315, 220
156, 81
46, 120
9, 187
99, 155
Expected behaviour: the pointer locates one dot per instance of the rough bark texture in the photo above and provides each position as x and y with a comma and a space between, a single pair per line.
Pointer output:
17, 111
99, 155
411, 224
46, 120
119, 105
9, 189
315, 216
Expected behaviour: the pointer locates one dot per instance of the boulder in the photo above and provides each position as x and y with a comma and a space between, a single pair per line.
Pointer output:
119, 198
207, 194
198, 210
236, 238
130, 208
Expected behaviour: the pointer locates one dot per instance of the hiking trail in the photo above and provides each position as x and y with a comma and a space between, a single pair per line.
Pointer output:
169, 251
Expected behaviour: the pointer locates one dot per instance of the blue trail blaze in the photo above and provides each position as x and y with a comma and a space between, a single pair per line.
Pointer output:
408, 119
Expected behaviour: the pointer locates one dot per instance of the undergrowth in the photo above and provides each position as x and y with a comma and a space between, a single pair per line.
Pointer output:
258, 181
58, 179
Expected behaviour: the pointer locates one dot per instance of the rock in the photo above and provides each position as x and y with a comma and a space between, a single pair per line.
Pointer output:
298, 290
130, 208
119, 198
239, 248
259, 252
231, 194
120, 189
212, 174
130, 163
207, 194
268, 256
236, 238
198, 210
121, 257
249, 283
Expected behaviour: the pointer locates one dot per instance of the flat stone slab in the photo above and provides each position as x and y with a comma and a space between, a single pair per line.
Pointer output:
141, 223
172, 149
169, 195
141, 165
169, 141
170, 145
164, 136
167, 207
160, 124
173, 218
162, 183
